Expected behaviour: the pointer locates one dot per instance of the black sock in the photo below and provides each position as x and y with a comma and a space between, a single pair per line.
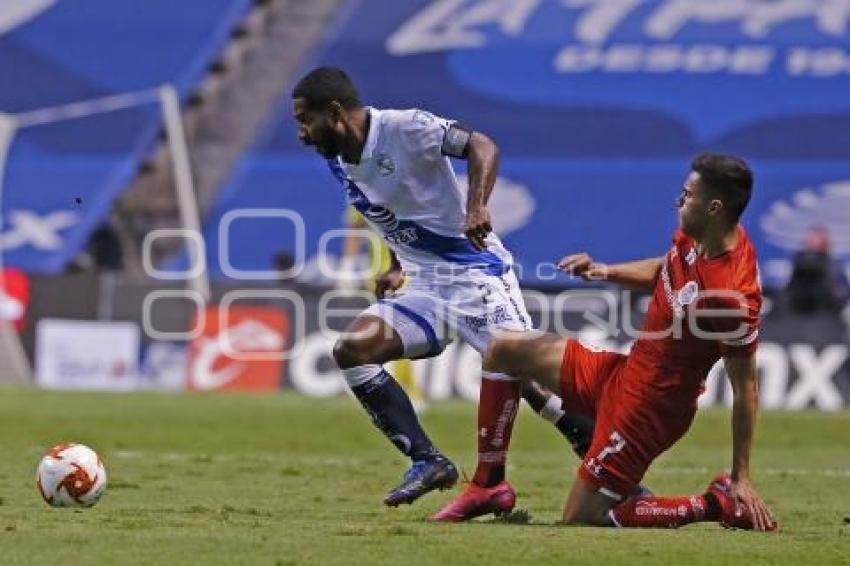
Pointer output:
391, 411
578, 430
712, 506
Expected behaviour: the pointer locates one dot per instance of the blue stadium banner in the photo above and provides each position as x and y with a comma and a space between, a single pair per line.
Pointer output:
63, 167
598, 107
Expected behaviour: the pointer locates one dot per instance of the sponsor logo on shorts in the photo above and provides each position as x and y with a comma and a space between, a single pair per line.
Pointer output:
403, 237
499, 315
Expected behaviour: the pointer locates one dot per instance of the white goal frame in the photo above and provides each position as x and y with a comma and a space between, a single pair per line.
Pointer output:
14, 365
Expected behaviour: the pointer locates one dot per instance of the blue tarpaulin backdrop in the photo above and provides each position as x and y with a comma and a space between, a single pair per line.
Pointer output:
598, 110
55, 53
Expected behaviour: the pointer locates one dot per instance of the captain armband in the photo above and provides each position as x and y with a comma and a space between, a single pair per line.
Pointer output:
456, 141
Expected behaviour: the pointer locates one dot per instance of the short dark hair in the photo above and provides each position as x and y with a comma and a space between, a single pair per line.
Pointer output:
323, 85
729, 177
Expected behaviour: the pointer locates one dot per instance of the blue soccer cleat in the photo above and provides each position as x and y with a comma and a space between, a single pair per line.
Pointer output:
422, 477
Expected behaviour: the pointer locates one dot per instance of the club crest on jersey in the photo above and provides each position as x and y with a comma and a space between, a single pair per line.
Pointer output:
385, 165
688, 293
423, 118
498, 316
691, 257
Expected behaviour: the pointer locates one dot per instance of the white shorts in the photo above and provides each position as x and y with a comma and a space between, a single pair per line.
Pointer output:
428, 314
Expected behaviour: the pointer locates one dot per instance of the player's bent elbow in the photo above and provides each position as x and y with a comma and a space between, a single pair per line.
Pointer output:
483, 147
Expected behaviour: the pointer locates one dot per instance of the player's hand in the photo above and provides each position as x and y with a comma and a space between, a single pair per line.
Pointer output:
478, 225
582, 265
744, 494
388, 282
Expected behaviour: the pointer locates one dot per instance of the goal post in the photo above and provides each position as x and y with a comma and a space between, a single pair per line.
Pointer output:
14, 365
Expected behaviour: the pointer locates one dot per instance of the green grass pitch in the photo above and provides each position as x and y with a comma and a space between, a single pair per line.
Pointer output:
282, 479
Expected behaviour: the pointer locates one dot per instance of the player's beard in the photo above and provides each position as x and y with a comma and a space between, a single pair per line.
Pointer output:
328, 151
691, 227
328, 147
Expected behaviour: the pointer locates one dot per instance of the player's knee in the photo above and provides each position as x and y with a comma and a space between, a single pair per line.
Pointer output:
570, 517
350, 353
590, 517
588, 512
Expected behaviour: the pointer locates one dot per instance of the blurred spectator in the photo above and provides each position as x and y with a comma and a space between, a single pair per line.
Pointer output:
818, 282
105, 248
283, 261
14, 297
103, 252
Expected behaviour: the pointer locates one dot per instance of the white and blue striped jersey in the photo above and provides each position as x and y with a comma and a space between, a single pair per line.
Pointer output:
407, 191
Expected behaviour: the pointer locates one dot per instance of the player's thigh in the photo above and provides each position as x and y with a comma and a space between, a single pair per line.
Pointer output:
489, 313
532, 355
584, 373
369, 339
413, 317
480, 306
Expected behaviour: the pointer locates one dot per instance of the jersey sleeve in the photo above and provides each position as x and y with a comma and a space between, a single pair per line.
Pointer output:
741, 317
423, 133
745, 341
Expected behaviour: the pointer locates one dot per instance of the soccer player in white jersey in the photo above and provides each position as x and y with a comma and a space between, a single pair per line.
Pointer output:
394, 168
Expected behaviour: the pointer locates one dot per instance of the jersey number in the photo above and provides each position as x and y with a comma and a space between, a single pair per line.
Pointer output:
615, 444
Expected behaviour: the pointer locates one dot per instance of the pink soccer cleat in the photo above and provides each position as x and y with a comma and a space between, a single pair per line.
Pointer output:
732, 516
476, 501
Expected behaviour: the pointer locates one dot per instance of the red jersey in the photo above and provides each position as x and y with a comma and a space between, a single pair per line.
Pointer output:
701, 310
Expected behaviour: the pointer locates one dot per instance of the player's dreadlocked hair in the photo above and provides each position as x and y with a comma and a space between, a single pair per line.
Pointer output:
729, 177
323, 85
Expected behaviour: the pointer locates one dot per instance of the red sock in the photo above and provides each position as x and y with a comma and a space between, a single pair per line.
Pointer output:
497, 408
659, 512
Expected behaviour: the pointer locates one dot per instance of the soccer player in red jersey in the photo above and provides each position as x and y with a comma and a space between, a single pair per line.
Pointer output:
705, 306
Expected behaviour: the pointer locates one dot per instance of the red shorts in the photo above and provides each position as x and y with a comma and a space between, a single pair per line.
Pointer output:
633, 425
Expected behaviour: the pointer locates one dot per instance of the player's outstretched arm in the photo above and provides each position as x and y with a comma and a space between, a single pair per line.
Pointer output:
483, 157
744, 379
640, 274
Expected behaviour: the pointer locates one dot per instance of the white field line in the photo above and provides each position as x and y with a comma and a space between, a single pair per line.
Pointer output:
283, 458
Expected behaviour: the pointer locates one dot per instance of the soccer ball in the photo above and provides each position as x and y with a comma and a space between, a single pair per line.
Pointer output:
71, 475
